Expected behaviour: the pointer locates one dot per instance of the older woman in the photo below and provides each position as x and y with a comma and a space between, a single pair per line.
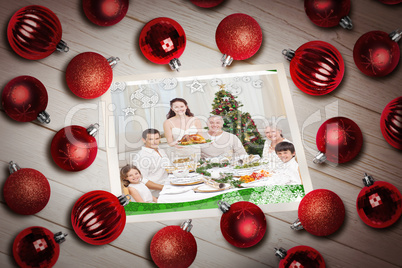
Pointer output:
274, 136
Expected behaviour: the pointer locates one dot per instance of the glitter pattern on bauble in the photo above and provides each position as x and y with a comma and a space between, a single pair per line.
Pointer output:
173, 247
321, 212
26, 191
238, 37
25, 99
89, 75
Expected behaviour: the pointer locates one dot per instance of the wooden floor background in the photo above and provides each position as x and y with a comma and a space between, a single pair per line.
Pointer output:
285, 25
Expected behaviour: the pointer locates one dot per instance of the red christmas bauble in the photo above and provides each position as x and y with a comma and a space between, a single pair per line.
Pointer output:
25, 99
243, 224
300, 256
391, 123
238, 37
328, 13
98, 217
26, 191
339, 139
379, 204
390, 2
34, 32
376, 53
89, 75
37, 247
316, 67
206, 3
321, 212
74, 148
174, 246
105, 12
162, 41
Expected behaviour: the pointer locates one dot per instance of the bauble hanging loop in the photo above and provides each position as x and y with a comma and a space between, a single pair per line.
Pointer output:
25, 99
162, 41
329, 13
316, 67
377, 53
37, 247
339, 140
379, 203
98, 217
238, 37
26, 191
74, 148
34, 32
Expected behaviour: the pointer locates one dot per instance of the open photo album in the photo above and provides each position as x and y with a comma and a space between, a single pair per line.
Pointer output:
178, 146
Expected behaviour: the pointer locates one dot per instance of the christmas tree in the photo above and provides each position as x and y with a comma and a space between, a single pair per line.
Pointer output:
236, 122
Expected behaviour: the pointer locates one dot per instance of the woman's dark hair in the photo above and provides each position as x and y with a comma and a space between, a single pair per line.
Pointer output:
171, 113
123, 173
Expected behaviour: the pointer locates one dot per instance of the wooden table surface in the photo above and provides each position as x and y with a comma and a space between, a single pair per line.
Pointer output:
284, 25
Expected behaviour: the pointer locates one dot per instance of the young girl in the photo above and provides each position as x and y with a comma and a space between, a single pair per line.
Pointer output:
132, 179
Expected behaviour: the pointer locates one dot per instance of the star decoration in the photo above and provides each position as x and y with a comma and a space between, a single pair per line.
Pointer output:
196, 86
129, 111
222, 86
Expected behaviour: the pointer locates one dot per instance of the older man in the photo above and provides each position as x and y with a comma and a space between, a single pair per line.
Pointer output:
223, 143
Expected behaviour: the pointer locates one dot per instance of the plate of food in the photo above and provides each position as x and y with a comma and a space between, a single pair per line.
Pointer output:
193, 140
186, 181
207, 188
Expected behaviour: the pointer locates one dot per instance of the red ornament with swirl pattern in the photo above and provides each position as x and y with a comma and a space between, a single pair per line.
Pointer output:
34, 32
379, 204
376, 53
89, 74
391, 123
299, 257
105, 12
25, 99
162, 41
329, 13
74, 148
339, 140
37, 247
321, 212
98, 217
238, 37
26, 191
316, 68
243, 224
174, 246
206, 3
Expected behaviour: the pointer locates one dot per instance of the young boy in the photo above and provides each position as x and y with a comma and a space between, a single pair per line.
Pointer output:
290, 168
